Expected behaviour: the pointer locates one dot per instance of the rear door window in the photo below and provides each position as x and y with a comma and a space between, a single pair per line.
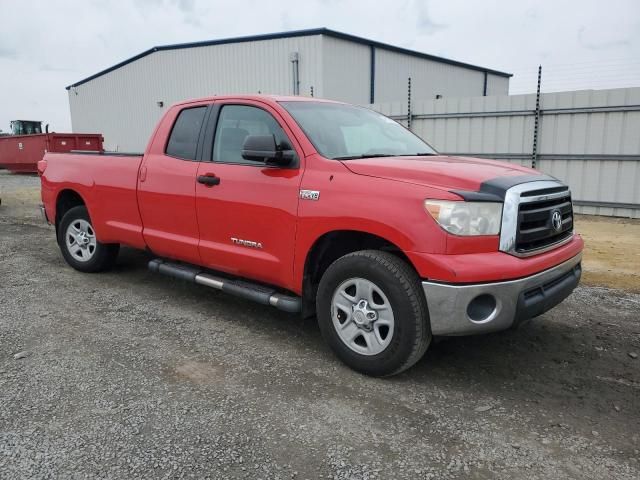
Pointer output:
183, 141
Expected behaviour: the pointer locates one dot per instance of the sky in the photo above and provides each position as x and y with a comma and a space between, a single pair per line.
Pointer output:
581, 44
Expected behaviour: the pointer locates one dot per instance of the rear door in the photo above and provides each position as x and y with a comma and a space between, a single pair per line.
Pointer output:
248, 217
166, 188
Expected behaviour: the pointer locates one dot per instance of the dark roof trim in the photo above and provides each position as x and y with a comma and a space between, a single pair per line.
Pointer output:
292, 34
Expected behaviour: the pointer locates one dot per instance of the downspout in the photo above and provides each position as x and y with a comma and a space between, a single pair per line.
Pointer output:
372, 76
295, 58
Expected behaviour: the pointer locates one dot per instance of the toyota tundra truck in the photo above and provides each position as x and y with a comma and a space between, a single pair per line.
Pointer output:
324, 209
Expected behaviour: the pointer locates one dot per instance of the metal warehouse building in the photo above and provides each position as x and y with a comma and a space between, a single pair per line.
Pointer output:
124, 102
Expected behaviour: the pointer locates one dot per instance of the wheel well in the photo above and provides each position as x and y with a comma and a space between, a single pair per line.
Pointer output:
67, 199
331, 246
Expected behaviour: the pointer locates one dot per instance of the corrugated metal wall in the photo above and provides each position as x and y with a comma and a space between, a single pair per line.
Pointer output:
589, 139
122, 104
428, 78
346, 70
497, 85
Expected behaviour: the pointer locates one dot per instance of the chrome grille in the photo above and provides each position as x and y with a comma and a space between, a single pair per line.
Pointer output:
536, 228
528, 218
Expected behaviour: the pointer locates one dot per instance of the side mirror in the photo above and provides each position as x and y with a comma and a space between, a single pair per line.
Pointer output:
263, 148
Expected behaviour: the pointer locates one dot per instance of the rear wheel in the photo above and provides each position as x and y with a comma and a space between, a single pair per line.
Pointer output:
373, 313
79, 245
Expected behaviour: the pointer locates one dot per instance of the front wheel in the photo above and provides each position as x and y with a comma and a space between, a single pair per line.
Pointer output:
79, 245
372, 312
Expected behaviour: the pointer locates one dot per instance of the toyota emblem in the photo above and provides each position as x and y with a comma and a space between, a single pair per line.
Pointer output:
556, 220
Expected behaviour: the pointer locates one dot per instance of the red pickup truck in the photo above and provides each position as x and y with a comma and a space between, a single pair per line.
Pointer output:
325, 209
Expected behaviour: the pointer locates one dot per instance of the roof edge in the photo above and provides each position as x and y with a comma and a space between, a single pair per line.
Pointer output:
290, 34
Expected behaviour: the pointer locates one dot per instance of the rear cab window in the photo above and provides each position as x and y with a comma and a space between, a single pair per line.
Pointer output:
183, 140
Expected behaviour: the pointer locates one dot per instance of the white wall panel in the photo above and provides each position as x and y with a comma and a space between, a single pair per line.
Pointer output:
428, 78
346, 70
497, 85
603, 124
122, 104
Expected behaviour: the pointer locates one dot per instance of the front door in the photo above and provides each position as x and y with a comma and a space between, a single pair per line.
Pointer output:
247, 216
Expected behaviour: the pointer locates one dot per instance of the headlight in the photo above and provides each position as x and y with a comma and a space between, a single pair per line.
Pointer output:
466, 218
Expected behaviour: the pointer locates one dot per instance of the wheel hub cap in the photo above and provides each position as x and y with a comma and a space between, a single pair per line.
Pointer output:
80, 240
362, 316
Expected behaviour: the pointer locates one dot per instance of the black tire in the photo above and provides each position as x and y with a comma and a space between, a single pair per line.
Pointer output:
401, 285
103, 257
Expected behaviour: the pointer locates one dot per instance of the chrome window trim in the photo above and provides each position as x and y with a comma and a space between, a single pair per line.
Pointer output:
512, 200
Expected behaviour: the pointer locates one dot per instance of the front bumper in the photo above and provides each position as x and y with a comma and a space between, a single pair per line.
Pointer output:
470, 309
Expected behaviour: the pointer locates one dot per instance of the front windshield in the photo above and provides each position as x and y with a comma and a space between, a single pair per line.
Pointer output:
345, 132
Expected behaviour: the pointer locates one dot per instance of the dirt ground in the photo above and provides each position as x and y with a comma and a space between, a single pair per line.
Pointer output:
128, 374
612, 251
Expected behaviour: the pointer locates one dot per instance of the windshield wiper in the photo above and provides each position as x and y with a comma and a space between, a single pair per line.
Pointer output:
369, 155
420, 154
378, 155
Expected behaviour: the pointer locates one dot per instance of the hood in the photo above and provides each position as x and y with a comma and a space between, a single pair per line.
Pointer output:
447, 173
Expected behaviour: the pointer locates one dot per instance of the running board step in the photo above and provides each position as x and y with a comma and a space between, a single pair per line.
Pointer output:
239, 288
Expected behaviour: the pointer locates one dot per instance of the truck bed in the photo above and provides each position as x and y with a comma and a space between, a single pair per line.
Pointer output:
96, 176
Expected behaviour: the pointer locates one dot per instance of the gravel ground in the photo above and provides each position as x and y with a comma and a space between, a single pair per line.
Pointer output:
128, 374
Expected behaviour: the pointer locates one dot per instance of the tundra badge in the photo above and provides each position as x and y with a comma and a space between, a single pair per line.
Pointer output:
310, 195
246, 243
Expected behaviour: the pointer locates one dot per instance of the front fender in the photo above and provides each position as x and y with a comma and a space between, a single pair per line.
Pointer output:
385, 208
